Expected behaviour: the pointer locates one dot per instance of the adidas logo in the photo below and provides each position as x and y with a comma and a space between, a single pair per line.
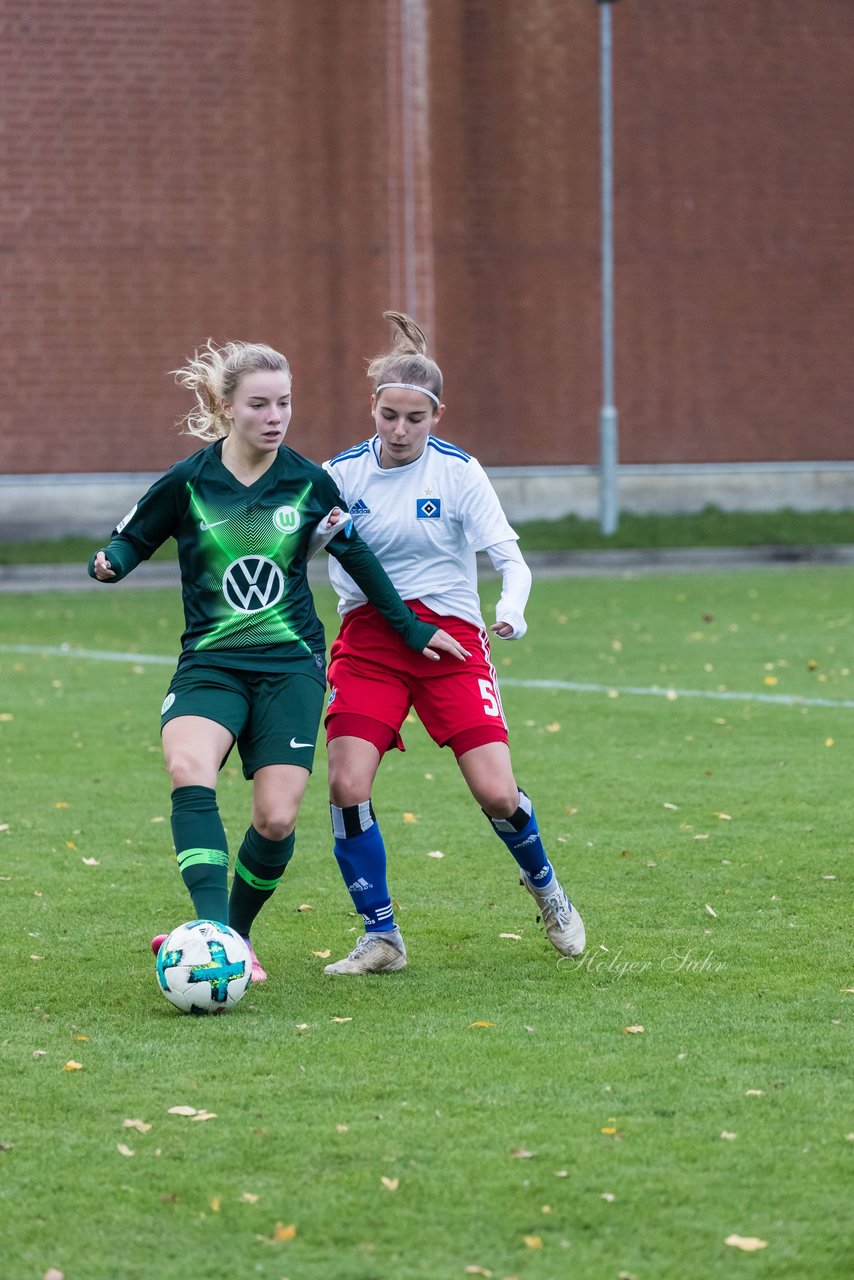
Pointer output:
531, 839
541, 875
360, 508
359, 886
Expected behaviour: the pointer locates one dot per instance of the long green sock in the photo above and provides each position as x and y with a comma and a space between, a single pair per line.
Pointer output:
260, 866
202, 850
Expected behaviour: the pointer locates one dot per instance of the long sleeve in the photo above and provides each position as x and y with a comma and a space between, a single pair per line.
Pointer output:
147, 525
515, 586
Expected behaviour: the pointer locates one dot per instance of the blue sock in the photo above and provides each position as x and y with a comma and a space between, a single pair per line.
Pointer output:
361, 857
521, 835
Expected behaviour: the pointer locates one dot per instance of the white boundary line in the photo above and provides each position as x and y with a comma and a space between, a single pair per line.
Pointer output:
567, 686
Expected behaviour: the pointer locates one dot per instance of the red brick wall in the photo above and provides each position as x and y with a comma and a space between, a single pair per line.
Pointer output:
176, 171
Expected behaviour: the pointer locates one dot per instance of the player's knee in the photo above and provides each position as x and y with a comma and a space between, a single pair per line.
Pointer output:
276, 824
350, 781
186, 769
345, 791
498, 801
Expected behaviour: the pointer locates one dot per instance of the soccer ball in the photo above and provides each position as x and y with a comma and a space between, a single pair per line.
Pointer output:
203, 967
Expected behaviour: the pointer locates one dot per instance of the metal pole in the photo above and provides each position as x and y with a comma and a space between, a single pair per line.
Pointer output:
608, 502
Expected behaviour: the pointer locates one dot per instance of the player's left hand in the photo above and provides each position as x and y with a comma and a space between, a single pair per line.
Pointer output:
444, 643
502, 629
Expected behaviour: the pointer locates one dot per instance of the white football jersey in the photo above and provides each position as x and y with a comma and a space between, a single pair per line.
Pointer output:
424, 521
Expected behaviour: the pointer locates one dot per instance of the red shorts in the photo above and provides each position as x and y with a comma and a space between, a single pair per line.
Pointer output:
377, 678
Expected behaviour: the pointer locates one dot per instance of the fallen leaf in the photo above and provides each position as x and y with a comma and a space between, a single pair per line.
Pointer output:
342, 1128
61, 804
39, 1053
340, 1019
552, 728
668, 805
249, 1197
516, 937
747, 1244
711, 911
724, 817
610, 1129
474, 1270
410, 818
81, 1037
123, 1149
771, 680
609, 1196
754, 1093
390, 1184
561, 1173
182, 1111
215, 1203
828, 742
69, 844
634, 1031
435, 853
533, 1242
53, 1274
481, 1024
90, 862
305, 906
322, 955
73, 1066
519, 1153
204, 1115
729, 1137
282, 1232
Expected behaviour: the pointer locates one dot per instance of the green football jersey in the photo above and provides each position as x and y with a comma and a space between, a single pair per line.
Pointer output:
242, 554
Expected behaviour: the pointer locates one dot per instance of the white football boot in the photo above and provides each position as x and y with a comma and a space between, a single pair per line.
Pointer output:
373, 953
563, 923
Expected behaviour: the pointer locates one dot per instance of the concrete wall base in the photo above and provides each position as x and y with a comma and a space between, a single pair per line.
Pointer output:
54, 506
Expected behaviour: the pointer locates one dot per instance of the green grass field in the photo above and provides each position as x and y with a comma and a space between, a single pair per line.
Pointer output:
493, 1110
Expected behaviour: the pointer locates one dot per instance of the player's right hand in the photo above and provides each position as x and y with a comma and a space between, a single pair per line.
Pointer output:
102, 570
441, 642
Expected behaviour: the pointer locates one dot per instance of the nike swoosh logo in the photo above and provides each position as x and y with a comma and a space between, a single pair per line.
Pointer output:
204, 526
296, 744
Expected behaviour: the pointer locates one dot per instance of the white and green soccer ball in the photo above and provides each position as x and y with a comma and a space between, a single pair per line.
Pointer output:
204, 967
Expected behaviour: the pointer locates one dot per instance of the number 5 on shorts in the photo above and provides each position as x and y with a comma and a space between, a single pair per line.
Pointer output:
490, 701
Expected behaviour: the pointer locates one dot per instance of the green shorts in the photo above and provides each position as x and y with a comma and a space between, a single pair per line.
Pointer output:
274, 718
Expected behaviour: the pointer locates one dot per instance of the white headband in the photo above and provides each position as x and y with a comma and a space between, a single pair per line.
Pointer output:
408, 386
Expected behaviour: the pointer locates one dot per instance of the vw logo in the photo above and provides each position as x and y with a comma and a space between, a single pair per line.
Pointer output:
252, 583
286, 519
